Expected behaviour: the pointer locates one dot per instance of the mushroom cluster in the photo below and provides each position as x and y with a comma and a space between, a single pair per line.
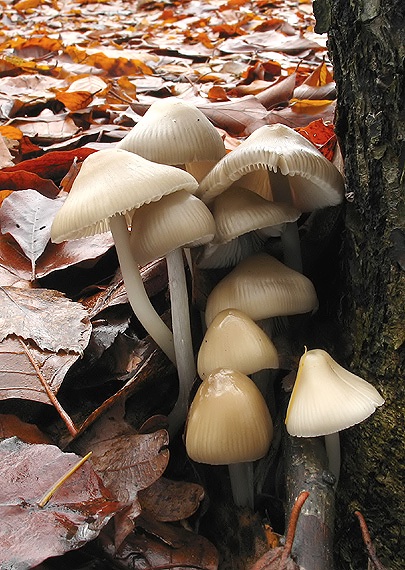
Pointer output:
169, 186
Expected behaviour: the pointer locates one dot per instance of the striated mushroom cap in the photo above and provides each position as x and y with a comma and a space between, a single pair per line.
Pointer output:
228, 421
113, 181
314, 181
327, 398
262, 287
234, 340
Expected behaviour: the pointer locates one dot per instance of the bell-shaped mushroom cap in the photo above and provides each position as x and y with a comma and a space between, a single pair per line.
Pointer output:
262, 287
175, 132
234, 340
110, 182
176, 220
228, 420
327, 398
238, 211
314, 181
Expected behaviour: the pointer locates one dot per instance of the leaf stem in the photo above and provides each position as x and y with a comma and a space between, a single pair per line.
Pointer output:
60, 482
368, 542
53, 399
292, 525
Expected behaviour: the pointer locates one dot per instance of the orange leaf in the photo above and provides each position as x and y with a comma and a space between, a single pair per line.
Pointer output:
305, 105
75, 100
10, 132
321, 135
320, 76
4, 194
217, 93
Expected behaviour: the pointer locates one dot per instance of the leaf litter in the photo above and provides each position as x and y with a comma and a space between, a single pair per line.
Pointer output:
75, 76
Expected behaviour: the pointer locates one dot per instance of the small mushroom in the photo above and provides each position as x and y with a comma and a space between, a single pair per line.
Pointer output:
164, 228
238, 214
326, 399
281, 165
177, 133
234, 340
110, 184
229, 424
262, 287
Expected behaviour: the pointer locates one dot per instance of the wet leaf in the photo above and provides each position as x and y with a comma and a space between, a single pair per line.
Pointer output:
170, 501
74, 515
19, 378
45, 316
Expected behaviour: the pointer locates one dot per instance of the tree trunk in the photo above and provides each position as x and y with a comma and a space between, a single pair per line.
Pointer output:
366, 41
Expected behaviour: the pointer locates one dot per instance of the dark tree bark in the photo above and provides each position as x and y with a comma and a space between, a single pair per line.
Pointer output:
366, 41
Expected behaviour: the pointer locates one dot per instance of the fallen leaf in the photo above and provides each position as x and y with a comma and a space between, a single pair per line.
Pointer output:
11, 425
45, 316
18, 377
160, 545
28, 217
74, 515
170, 501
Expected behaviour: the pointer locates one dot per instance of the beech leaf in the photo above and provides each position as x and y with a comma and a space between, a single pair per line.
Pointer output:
19, 379
51, 320
28, 215
74, 515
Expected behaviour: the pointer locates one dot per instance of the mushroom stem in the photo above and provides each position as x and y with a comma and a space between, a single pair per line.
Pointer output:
241, 475
332, 445
281, 191
134, 286
183, 345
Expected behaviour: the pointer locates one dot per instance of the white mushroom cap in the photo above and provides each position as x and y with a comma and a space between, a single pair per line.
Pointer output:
234, 340
110, 182
314, 181
327, 398
238, 211
176, 220
177, 133
228, 421
262, 287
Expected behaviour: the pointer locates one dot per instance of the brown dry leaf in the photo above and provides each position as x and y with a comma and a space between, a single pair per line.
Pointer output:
18, 377
22, 180
52, 165
47, 127
55, 256
160, 545
28, 217
74, 515
11, 425
170, 501
126, 461
271, 561
45, 316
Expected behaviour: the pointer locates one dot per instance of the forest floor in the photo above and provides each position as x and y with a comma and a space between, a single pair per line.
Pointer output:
77, 371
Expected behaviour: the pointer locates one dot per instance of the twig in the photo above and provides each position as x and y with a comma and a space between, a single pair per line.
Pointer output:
368, 542
292, 525
48, 495
53, 399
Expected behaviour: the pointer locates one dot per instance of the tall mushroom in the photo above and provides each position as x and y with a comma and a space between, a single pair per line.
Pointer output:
164, 228
110, 184
326, 399
281, 165
177, 133
229, 424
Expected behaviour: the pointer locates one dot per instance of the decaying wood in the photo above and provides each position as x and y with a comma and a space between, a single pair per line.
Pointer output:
306, 470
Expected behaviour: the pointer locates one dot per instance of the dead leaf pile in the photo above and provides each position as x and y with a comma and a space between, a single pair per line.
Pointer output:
75, 76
